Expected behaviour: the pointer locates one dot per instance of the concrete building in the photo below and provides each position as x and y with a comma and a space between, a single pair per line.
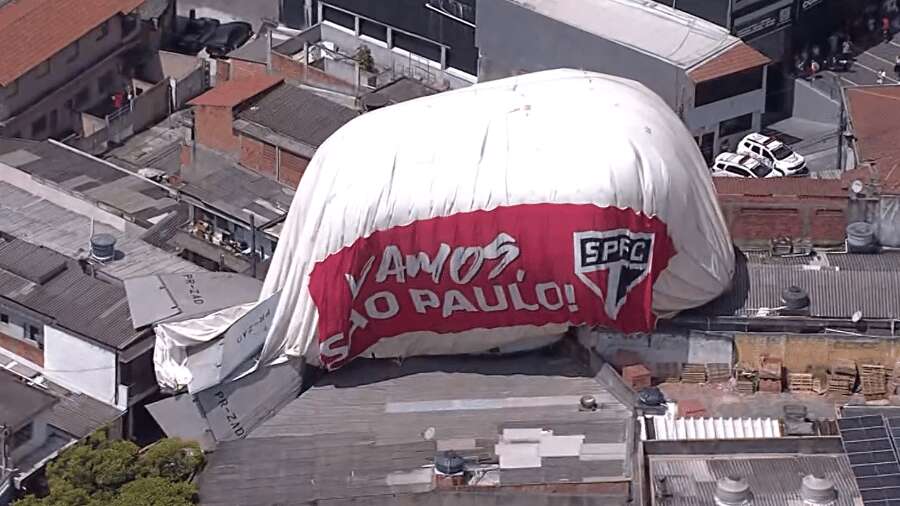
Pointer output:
63, 58
712, 80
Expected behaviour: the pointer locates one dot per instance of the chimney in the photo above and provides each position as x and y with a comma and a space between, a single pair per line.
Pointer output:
732, 492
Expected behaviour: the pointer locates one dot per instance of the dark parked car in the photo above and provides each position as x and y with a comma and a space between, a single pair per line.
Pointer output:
228, 37
196, 33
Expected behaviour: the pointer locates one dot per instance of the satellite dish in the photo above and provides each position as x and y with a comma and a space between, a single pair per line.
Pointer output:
856, 186
857, 316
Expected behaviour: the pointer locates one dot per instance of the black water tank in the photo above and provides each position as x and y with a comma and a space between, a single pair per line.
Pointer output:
449, 462
103, 247
796, 301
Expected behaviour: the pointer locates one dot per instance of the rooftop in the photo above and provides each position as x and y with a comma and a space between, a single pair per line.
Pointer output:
397, 91
774, 480
55, 286
670, 35
45, 216
31, 31
20, 402
373, 428
874, 112
838, 284
735, 59
299, 114
236, 91
81, 174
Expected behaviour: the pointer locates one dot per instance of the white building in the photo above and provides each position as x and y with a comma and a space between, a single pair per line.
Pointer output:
712, 80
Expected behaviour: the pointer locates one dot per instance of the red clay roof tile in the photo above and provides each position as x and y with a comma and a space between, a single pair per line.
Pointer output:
31, 31
734, 59
234, 92
875, 118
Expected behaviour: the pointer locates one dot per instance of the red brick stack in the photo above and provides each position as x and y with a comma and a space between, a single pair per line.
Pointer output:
636, 376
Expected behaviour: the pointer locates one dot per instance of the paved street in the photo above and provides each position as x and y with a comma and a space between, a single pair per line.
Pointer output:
869, 63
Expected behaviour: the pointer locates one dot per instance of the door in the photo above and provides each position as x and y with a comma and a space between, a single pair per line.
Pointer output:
707, 147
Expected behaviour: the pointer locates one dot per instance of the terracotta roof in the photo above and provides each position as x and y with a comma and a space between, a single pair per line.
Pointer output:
734, 59
31, 31
875, 118
786, 186
234, 92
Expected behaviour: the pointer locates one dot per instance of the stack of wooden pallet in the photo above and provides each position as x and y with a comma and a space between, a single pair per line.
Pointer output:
718, 373
872, 380
820, 379
770, 374
800, 382
843, 377
666, 372
894, 381
745, 379
693, 373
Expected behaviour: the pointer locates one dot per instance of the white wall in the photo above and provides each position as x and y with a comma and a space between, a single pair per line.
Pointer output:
661, 348
79, 365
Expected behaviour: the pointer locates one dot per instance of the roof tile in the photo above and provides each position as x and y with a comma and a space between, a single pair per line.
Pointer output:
734, 59
875, 117
31, 31
234, 92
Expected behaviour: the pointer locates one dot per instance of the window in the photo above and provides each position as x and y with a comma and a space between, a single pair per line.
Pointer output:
755, 149
4, 318
42, 69
34, 333
103, 30
12, 89
728, 86
38, 127
105, 83
71, 51
782, 152
54, 121
22, 436
736, 125
738, 171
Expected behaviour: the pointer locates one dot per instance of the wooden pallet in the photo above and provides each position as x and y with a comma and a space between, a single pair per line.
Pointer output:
844, 367
693, 373
841, 384
770, 385
800, 382
667, 371
771, 368
718, 373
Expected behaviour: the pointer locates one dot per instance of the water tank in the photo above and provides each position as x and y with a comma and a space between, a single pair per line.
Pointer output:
861, 238
732, 492
795, 300
449, 463
103, 247
817, 491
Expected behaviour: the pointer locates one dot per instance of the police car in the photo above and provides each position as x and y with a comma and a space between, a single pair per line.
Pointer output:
735, 165
773, 153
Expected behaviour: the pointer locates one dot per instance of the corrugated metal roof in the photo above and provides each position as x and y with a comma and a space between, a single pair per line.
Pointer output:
773, 480
71, 299
360, 425
299, 114
20, 402
838, 285
39, 221
670, 35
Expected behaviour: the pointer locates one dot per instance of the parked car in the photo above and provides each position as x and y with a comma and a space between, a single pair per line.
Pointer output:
196, 33
228, 37
773, 153
735, 165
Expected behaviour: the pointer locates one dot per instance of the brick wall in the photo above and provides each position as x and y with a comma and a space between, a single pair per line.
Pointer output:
284, 66
25, 350
213, 127
271, 161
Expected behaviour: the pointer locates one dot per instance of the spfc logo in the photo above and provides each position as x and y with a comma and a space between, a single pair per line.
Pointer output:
618, 259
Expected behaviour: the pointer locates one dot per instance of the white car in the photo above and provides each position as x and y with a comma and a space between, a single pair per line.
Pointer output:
734, 165
773, 153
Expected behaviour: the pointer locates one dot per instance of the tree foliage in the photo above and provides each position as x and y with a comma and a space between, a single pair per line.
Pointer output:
100, 472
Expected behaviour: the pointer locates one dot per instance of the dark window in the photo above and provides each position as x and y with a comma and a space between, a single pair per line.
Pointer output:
54, 121
34, 333
738, 170
4, 318
736, 125
417, 46
42, 69
82, 97
105, 83
375, 30
103, 30
22, 436
731, 85
337, 17
38, 127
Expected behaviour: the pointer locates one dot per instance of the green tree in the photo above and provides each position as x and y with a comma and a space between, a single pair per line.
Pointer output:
155, 491
172, 458
100, 472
